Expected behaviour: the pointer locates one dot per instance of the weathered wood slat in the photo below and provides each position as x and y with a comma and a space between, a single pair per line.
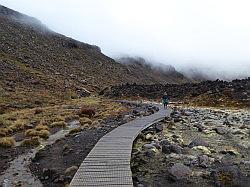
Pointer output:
108, 163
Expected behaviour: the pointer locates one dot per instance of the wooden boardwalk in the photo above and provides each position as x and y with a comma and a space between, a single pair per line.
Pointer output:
108, 163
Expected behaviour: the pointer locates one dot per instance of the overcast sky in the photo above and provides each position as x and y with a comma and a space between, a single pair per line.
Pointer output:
213, 35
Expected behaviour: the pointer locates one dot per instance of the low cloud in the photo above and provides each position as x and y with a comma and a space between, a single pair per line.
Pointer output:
212, 37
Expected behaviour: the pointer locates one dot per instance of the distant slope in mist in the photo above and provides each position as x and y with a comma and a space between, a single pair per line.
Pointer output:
211, 73
195, 74
40, 66
152, 73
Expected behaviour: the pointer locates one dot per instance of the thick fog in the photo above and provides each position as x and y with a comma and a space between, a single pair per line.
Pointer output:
211, 36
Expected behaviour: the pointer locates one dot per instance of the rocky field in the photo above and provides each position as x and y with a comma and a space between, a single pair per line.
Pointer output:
194, 147
208, 93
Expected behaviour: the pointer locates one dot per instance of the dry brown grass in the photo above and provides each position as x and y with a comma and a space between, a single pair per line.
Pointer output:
216, 101
41, 127
31, 132
71, 117
18, 125
57, 118
61, 124
38, 111
33, 141
44, 134
86, 111
2, 109
76, 130
41, 133
5, 132
95, 123
4, 122
84, 121
45, 118
7, 142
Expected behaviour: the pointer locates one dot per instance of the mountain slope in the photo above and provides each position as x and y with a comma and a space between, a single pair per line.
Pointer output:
159, 73
36, 62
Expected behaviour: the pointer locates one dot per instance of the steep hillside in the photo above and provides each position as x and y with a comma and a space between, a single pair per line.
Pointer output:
40, 66
159, 73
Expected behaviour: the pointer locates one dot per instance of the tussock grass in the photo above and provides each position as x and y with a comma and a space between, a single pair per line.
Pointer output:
18, 125
44, 134
84, 121
58, 118
33, 141
5, 132
61, 124
46, 118
71, 117
76, 130
44, 122
41, 127
86, 111
4, 122
95, 123
38, 111
7, 142
31, 132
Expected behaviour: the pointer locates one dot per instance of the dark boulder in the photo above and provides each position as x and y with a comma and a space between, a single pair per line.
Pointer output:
198, 142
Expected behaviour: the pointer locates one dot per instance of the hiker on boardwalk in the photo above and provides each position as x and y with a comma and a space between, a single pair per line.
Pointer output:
165, 100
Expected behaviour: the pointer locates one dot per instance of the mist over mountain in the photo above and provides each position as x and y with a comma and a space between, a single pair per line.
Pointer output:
211, 37
36, 62
162, 73
23, 19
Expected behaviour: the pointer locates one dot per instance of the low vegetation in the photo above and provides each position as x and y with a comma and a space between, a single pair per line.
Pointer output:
75, 130
85, 111
85, 121
42, 127
44, 134
19, 124
5, 131
61, 124
7, 142
32, 141
39, 122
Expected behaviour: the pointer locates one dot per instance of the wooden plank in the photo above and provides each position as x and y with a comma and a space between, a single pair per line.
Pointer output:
108, 163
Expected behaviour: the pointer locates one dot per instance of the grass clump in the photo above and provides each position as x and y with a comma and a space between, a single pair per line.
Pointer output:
31, 132
58, 118
4, 122
71, 118
95, 123
33, 141
5, 131
76, 130
38, 111
41, 127
2, 109
61, 124
41, 133
86, 111
7, 142
18, 125
85, 121
44, 134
